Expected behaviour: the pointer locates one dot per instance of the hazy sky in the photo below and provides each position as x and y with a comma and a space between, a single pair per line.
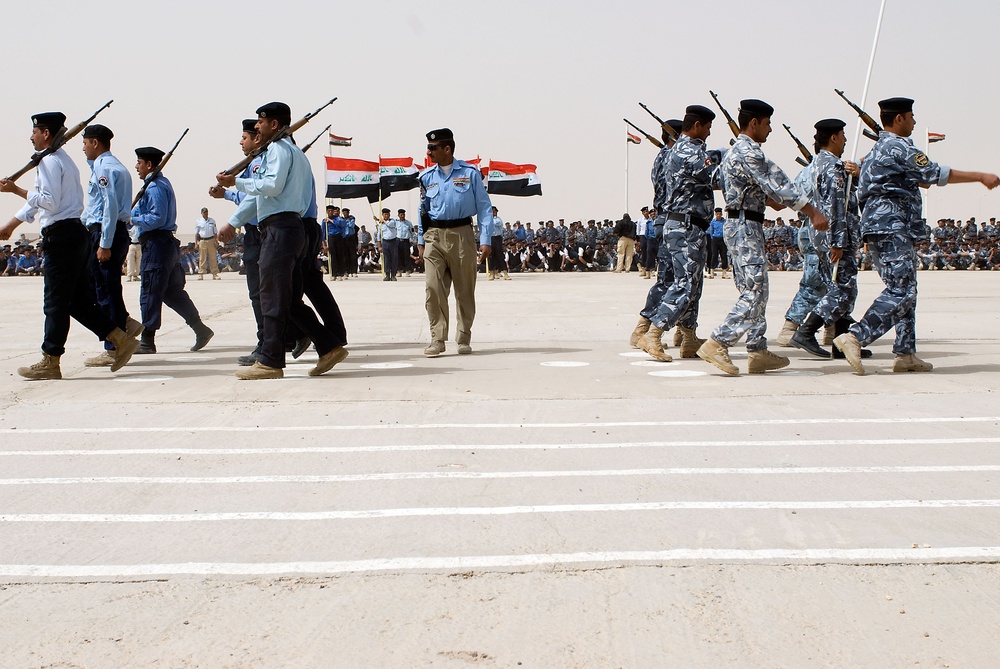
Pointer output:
545, 82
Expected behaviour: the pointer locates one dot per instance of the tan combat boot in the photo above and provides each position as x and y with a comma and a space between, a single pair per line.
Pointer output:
491, 275
785, 336
910, 363
829, 333
641, 328
105, 359
678, 336
259, 371
851, 348
506, 276
125, 346
690, 342
715, 353
133, 328
47, 368
762, 361
653, 345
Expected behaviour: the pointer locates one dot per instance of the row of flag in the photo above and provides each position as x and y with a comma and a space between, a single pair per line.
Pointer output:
349, 178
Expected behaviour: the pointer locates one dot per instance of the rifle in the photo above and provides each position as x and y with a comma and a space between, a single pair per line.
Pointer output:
58, 142
281, 134
802, 148
869, 121
652, 139
315, 139
663, 124
156, 171
733, 126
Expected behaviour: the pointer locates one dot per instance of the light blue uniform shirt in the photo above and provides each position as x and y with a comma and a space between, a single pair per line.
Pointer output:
458, 195
236, 196
386, 230
109, 196
157, 210
283, 183
404, 228
57, 194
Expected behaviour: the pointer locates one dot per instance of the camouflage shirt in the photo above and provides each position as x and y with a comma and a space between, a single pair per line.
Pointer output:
889, 186
659, 177
749, 179
691, 174
830, 196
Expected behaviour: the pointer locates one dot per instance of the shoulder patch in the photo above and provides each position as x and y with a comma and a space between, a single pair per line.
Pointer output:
921, 159
102, 181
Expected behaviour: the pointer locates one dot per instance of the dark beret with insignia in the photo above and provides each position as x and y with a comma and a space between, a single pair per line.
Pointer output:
700, 113
51, 120
150, 153
386, 210
895, 105
830, 125
250, 126
276, 110
441, 135
756, 108
676, 124
401, 211
98, 132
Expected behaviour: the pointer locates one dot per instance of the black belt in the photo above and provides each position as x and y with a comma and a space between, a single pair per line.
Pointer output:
61, 223
456, 223
207, 239
155, 234
747, 214
273, 218
684, 218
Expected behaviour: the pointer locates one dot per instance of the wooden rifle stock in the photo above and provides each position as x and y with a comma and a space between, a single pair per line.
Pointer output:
281, 134
60, 140
869, 121
806, 155
652, 139
156, 171
663, 124
733, 126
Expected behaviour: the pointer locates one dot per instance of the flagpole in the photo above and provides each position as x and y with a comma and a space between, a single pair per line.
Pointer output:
326, 229
626, 173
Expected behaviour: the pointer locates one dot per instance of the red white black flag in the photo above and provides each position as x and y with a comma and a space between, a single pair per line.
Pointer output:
512, 179
397, 174
349, 178
339, 141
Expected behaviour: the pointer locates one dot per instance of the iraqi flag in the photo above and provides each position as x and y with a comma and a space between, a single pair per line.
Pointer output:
634, 139
350, 178
336, 140
512, 179
934, 137
397, 174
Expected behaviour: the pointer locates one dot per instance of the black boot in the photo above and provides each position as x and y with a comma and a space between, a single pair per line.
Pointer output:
147, 342
805, 337
202, 335
841, 326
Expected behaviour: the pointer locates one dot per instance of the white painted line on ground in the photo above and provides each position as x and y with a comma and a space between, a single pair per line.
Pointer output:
493, 562
420, 476
142, 378
402, 448
495, 426
491, 511
564, 363
678, 373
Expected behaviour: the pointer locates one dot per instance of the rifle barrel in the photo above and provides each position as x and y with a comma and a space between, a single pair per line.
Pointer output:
58, 142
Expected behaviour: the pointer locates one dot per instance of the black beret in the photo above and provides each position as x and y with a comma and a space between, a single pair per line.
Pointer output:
386, 210
830, 125
756, 108
675, 124
401, 211
98, 131
51, 120
331, 206
276, 110
150, 153
250, 126
702, 113
896, 105
441, 135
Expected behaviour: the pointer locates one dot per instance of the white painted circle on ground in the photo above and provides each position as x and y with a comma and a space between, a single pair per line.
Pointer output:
649, 363
191, 358
739, 353
678, 373
796, 372
634, 354
144, 378
386, 365
564, 363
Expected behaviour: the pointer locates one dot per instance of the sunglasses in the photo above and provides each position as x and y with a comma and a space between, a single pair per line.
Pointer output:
434, 147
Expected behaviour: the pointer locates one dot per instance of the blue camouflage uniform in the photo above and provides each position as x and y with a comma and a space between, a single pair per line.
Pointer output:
664, 268
691, 175
815, 264
891, 219
830, 197
748, 180
109, 200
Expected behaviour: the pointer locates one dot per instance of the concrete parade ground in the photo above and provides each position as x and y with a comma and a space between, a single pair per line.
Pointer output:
555, 500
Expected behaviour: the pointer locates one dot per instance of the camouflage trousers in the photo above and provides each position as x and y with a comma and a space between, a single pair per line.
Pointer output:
664, 275
842, 293
816, 275
745, 240
687, 253
896, 306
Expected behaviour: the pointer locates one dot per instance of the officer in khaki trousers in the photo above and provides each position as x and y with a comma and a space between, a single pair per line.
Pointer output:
451, 192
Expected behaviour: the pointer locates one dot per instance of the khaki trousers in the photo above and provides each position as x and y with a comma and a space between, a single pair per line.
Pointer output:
626, 249
450, 258
133, 259
208, 257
